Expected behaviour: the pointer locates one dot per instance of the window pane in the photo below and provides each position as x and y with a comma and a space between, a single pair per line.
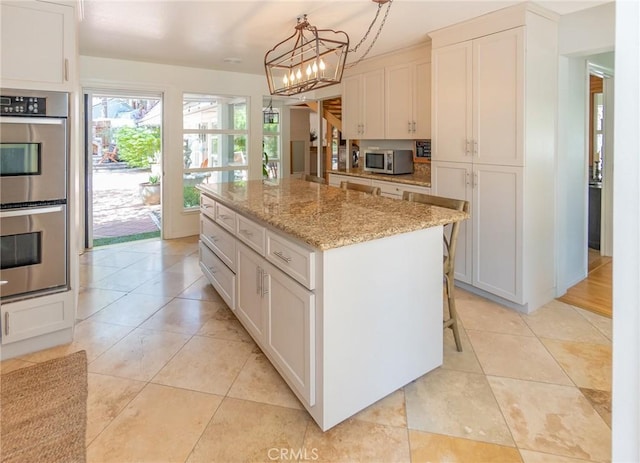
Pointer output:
209, 150
271, 146
202, 112
191, 195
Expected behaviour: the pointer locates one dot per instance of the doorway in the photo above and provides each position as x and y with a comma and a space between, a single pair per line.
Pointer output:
123, 166
594, 293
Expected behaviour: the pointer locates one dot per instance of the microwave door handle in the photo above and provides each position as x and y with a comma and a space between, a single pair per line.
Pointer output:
29, 211
32, 120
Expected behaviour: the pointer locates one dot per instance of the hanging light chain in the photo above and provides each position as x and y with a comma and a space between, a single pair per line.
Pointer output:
354, 49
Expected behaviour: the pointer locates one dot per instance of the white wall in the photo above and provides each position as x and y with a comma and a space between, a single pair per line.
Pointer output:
588, 31
626, 224
173, 81
580, 34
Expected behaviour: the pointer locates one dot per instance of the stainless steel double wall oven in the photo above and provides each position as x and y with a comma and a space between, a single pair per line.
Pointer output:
34, 166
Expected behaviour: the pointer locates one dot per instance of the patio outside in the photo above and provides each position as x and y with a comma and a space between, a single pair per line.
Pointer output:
119, 214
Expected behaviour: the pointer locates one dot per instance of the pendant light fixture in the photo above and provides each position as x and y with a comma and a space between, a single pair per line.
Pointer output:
311, 58
269, 115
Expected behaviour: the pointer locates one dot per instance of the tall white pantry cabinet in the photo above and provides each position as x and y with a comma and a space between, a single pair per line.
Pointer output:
494, 92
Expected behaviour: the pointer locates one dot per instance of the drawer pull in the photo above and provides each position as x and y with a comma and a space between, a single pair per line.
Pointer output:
212, 269
6, 323
223, 216
282, 256
247, 233
205, 206
213, 238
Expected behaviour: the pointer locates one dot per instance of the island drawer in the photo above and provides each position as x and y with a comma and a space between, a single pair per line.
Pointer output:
219, 275
222, 243
296, 261
226, 217
250, 233
395, 190
208, 206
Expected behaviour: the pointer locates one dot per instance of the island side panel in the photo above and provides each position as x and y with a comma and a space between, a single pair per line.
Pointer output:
381, 319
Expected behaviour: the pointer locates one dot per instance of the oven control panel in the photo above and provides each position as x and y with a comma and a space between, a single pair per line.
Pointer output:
23, 106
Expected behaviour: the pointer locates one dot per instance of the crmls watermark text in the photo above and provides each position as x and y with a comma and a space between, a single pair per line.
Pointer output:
276, 453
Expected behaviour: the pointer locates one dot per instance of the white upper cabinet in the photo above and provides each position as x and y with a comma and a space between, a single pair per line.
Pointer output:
498, 97
452, 103
478, 94
38, 46
407, 100
363, 105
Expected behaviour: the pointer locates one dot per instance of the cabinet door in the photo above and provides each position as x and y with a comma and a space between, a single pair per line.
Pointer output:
249, 295
497, 225
38, 45
291, 332
498, 95
422, 100
34, 317
372, 105
351, 107
452, 103
453, 180
399, 101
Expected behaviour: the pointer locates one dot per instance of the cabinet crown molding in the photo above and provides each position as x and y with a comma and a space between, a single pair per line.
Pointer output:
501, 20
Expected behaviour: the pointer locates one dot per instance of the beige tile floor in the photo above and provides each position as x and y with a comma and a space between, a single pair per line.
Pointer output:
173, 377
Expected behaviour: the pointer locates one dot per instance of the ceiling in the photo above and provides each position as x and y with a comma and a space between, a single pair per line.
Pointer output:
235, 35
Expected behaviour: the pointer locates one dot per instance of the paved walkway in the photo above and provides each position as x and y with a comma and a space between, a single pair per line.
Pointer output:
117, 207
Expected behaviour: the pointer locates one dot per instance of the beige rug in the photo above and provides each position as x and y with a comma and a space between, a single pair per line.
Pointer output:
43, 411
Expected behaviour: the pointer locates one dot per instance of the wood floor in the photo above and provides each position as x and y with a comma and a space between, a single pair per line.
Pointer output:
594, 293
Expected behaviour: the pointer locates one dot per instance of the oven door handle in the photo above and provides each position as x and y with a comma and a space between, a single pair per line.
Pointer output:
33, 120
30, 211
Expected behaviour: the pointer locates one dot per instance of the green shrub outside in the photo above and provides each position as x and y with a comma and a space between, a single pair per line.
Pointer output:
137, 145
191, 196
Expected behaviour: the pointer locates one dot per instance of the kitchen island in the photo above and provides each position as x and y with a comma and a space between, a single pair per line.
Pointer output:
341, 290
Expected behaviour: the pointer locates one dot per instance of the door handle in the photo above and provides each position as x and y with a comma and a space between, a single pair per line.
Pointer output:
475, 147
258, 280
409, 126
265, 288
6, 323
467, 178
30, 211
413, 124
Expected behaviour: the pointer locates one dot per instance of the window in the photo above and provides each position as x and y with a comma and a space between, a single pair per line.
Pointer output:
214, 146
271, 146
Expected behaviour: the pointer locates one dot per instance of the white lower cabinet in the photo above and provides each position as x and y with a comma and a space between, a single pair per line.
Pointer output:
275, 305
395, 190
280, 315
489, 248
219, 275
35, 317
251, 289
388, 188
291, 331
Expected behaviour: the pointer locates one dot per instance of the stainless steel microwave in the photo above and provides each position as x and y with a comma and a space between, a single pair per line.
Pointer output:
392, 162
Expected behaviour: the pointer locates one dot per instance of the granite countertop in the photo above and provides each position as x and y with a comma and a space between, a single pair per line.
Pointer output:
327, 217
417, 179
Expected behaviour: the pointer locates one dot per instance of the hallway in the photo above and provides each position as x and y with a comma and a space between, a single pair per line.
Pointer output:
594, 293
